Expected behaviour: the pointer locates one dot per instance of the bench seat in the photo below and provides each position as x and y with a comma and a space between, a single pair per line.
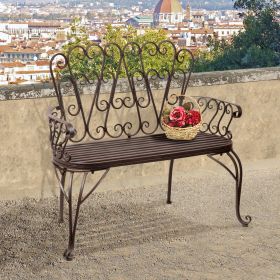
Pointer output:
101, 155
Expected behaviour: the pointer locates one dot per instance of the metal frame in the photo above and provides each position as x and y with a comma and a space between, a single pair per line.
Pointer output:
73, 214
110, 63
238, 177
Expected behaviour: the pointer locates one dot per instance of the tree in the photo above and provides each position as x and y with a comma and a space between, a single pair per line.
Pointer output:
261, 26
257, 46
139, 55
261, 37
257, 7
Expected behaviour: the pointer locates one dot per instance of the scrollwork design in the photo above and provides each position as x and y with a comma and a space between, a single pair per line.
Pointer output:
100, 67
184, 65
219, 115
121, 129
172, 99
100, 133
151, 48
60, 133
164, 49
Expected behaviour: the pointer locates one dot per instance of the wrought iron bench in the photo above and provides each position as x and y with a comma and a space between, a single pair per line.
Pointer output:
118, 129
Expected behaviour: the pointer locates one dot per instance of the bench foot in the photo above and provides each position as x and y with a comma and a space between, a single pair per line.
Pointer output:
68, 254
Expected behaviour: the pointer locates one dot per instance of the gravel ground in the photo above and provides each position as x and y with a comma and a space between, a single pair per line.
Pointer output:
133, 234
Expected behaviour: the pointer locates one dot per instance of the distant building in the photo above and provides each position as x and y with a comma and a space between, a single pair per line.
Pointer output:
38, 27
16, 28
94, 38
61, 35
168, 12
191, 37
226, 31
5, 38
199, 36
10, 54
24, 73
197, 16
138, 21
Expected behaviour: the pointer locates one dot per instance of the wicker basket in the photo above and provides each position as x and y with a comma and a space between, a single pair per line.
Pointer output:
177, 133
186, 133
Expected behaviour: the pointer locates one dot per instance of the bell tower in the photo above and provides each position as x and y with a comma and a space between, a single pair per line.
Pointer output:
188, 11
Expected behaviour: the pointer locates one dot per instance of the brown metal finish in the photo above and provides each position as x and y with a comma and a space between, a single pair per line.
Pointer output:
237, 175
168, 201
96, 73
105, 154
61, 197
102, 143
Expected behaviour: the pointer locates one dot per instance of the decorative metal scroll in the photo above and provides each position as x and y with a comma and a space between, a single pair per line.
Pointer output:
105, 68
218, 115
60, 133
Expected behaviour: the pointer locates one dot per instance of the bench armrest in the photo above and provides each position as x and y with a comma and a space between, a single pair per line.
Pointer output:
60, 133
217, 115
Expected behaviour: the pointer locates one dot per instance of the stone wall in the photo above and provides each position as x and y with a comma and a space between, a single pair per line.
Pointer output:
26, 168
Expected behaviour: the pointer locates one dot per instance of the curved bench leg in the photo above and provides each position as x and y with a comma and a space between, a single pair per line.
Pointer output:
73, 217
237, 175
170, 182
238, 178
74, 213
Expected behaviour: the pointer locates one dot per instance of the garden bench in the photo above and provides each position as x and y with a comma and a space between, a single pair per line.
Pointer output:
118, 129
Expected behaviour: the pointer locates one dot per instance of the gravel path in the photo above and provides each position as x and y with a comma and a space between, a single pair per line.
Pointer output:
133, 234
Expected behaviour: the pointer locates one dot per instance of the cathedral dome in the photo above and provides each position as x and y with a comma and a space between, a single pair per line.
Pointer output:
168, 7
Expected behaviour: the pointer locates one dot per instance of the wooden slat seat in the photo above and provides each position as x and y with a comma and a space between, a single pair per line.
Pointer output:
101, 155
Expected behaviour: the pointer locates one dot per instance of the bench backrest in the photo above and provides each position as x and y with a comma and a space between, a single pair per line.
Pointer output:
100, 73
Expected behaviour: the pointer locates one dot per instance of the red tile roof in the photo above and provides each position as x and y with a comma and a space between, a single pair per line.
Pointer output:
12, 64
202, 31
44, 24
9, 49
168, 6
33, 72
42, 63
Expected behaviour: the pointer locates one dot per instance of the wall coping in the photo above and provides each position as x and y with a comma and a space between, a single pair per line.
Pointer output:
42, 90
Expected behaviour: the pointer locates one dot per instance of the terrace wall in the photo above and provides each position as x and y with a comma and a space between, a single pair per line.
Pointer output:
25, 164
